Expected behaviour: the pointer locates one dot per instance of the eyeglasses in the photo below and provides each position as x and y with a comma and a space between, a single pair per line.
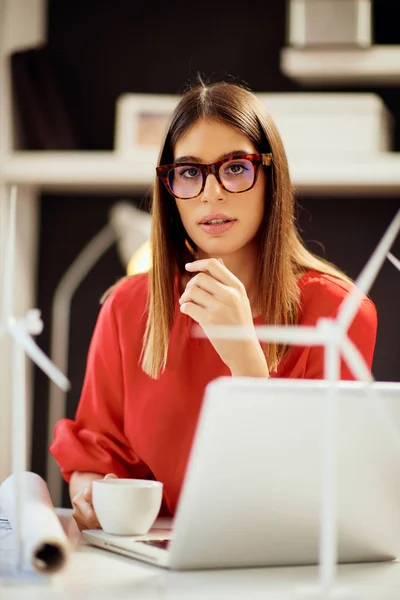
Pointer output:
236, 174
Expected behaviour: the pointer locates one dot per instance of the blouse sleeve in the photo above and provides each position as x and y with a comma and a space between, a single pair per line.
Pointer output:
95, 440
362, 333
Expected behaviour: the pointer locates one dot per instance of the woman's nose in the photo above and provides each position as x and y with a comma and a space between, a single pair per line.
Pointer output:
212, 190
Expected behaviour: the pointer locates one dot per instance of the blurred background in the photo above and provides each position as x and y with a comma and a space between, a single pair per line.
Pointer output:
67, 124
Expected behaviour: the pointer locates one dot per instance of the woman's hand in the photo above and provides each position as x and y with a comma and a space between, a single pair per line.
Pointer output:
216, 297
83, 512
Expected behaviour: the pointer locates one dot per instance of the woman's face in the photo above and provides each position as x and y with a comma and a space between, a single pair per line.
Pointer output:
206, 142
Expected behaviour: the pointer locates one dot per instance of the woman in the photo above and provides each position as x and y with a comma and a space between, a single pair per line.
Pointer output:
225, 250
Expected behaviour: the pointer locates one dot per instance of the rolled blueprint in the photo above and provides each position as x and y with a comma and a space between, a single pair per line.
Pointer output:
45, 547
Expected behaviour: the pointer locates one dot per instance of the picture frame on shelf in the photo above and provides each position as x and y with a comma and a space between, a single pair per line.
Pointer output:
140, 124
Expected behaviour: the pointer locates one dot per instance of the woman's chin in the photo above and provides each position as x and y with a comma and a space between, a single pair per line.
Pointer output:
217, 250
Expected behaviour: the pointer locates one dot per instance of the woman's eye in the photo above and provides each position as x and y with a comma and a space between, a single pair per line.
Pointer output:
189, 173
235, 169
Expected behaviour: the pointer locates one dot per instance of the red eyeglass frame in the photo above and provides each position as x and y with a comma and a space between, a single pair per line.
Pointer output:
256, 159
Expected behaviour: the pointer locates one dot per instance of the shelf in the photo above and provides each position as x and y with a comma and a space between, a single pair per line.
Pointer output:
372, 176
377, 65
108, 172
77, 171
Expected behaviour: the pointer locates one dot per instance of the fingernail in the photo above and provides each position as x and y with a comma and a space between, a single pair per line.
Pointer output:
188, 266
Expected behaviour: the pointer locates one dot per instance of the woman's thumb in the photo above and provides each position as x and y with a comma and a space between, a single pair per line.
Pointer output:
111, 476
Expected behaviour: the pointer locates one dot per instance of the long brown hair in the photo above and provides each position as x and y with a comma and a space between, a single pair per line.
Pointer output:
282, 256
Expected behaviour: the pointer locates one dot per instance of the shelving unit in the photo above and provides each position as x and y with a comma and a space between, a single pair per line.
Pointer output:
22, 26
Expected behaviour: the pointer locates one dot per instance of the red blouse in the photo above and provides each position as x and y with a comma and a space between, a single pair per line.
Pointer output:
138, 427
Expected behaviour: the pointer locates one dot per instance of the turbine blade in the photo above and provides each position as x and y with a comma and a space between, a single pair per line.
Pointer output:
350, 304
355, 361
395, 261
292, 335
23, 338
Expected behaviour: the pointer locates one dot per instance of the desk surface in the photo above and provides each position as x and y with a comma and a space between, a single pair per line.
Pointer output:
96, 574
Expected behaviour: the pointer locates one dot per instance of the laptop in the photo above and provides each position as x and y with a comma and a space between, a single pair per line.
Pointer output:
252, 491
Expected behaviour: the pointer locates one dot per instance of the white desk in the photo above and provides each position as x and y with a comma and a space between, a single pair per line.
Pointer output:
95, 574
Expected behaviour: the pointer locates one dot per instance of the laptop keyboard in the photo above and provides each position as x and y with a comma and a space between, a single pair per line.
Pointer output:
157, 543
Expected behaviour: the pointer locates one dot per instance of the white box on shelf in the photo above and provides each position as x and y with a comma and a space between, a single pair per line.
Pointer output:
328, 123
330, 23
319, 124
375, 66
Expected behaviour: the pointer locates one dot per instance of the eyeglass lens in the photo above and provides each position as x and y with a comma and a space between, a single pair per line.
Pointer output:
236, 175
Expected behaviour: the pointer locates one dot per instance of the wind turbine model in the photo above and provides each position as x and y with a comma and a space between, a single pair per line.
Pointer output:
333, 334
21, 331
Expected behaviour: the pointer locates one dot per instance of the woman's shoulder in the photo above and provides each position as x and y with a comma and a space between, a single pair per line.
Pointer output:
322, 295
316, 283
129, 294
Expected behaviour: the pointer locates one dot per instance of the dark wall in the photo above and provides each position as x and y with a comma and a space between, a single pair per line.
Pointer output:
102, 49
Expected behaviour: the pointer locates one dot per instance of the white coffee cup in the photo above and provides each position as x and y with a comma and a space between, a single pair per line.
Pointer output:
126, 506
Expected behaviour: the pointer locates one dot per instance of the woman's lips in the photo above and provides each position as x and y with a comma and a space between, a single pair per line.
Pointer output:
217, 227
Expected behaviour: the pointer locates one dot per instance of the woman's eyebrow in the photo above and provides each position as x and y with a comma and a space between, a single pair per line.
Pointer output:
233, 153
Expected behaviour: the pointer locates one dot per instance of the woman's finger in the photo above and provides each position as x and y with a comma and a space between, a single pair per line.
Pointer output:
207, 283
80, 505
197, 313
84, 520
216, 269
84, 514
198, 296
87, 494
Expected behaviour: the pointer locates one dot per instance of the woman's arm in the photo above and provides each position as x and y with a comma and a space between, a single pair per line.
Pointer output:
251, 363
94, 443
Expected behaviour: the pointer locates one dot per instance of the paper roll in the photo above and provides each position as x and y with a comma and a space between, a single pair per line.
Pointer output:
45, 546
